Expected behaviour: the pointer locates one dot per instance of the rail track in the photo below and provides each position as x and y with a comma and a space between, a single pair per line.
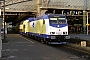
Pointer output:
72, 49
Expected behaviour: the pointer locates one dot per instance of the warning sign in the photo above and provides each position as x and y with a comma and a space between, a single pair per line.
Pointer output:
83, 43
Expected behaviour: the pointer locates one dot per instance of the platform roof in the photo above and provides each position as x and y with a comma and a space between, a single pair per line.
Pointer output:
31, 5
19, 5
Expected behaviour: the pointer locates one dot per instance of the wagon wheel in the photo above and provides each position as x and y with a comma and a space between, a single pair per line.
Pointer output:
43, 41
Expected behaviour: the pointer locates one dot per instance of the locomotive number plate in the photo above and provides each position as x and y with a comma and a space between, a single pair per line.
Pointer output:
53, 37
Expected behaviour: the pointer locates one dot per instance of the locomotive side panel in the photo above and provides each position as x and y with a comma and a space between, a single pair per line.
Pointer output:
35, 26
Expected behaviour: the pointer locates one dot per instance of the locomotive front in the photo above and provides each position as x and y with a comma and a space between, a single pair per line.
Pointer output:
58, 28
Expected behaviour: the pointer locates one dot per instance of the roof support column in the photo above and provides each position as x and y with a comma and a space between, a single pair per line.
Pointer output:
38, 2
62, 11
84, 16
0, 35
84, 22
4, 18
70, 12
42, 12
53, 11
78, 12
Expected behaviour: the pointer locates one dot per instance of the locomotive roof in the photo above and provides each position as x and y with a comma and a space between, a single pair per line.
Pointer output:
31, 18
46, 16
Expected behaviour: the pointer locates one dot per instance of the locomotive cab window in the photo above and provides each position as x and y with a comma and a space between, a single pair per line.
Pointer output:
62, 21
53, 20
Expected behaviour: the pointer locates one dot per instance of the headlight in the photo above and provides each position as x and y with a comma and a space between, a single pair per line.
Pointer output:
53, 37
52, 32
64, 32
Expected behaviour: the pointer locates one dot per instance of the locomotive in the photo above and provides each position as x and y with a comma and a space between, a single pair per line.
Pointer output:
49, 29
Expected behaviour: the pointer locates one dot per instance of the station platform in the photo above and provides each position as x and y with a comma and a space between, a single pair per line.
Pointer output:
80, 36
22, 48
